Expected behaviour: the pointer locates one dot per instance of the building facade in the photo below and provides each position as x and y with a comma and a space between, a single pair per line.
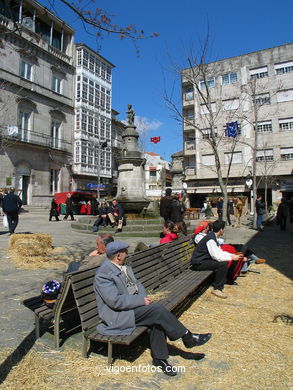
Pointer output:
93, 104
157, 175
36, 105
254, 92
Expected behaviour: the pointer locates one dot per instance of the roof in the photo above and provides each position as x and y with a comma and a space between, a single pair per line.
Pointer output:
81, 44
153, 154
180, 153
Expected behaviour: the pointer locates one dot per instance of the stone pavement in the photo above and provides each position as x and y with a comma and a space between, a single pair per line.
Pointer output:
16, 321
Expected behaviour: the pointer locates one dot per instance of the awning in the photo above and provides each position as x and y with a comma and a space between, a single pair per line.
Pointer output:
208, 190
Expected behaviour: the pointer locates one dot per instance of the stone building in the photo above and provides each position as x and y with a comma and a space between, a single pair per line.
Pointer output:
116, 148
157, 175
93, 104
36, 105
253, 91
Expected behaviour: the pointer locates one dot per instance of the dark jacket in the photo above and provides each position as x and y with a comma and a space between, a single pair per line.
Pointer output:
177, 210
165, 207
103, 211
69, 205
283, 210
118, 209
11, 203
260, 207
201, 252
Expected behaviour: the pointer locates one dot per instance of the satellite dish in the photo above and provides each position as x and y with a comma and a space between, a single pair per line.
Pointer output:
184, 185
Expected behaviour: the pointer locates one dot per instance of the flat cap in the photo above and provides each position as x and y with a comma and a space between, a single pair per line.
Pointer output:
114, 247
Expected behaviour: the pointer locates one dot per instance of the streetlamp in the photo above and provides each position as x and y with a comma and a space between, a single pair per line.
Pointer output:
102, 145
249, 183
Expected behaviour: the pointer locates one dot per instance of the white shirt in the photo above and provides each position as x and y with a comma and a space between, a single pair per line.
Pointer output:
214, 250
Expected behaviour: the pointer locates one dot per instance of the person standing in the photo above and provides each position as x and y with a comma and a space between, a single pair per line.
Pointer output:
260, 210
282, 214
230, 210
220, 208
11, 205
165, 205
69, 208
1, 201
177, 214
239, 208
54, 210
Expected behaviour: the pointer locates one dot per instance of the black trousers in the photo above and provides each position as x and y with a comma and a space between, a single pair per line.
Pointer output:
220, 268
12, 219
69, 213
283, 222
162, 323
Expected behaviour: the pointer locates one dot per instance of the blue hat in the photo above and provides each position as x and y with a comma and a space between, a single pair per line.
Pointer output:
114, 247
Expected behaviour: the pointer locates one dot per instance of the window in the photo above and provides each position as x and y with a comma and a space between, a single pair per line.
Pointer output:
54, 180
211, 82
24, 117
188, 93
56, 83
264, 127
207, 133
286, 153
205, 110
259, 73
153, 175
55, 134
286, 124
229, 78
265, 155
236, 158
190, 143
26, 70
208, 159
188, 115
285, 96
285, 67
262, 99
231, 104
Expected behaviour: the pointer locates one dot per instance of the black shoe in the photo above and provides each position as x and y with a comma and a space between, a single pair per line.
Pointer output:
165, 367
192, 340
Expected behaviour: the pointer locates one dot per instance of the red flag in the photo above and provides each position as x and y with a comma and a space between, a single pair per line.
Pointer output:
155, 140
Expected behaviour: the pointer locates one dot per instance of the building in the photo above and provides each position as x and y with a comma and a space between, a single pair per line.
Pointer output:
157, 175
92, 136
256, 91
177, 171
36, 105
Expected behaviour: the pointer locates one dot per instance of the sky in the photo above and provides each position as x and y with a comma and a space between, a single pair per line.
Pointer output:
235, 28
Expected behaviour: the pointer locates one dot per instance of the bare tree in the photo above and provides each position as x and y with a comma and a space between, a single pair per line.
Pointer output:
199, 76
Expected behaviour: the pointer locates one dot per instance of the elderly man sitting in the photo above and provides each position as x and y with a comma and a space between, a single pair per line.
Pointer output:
123, 304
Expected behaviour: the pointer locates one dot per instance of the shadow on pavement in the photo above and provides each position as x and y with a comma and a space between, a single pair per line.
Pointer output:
276, 247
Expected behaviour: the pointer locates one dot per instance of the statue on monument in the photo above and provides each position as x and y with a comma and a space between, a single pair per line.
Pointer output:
130, 114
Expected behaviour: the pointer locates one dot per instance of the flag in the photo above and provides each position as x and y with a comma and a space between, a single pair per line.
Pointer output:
232, 129
155, 140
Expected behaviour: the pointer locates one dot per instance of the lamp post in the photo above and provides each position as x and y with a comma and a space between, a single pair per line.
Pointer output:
249, 183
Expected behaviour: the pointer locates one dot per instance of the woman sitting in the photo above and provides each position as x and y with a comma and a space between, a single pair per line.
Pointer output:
168, 232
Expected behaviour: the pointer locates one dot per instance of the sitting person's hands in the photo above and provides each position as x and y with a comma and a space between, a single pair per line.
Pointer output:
147, 301
94, 253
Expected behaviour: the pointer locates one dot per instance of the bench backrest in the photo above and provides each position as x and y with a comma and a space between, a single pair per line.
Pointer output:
152, 267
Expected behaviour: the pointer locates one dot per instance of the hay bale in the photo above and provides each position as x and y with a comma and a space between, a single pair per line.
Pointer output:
44, 240
30, 248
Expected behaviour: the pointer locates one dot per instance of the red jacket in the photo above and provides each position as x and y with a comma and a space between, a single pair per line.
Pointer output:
168, 237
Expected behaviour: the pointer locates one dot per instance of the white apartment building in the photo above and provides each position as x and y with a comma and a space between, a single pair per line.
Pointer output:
256, 91
36, 101
157, 175
92, 136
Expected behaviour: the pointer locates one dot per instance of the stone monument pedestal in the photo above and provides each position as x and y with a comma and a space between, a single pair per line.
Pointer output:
131, 177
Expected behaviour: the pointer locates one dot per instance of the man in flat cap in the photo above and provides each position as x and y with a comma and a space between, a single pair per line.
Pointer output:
123, 304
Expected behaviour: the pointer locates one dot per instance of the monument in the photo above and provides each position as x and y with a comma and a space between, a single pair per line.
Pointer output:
131, 177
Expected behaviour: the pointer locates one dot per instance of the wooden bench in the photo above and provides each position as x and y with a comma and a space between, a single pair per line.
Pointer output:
163, 270
53, 317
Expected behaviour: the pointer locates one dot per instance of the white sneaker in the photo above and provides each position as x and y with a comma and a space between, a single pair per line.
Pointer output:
219, 294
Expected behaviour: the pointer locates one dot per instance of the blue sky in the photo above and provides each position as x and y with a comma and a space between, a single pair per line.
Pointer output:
235, 28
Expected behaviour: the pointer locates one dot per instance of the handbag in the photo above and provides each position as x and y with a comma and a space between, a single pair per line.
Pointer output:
5, 221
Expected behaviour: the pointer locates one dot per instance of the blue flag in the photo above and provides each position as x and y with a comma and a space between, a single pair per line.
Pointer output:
232, 129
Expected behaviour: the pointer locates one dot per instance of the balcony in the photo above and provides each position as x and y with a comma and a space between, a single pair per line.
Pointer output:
15, 134
189, 147
190, 173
